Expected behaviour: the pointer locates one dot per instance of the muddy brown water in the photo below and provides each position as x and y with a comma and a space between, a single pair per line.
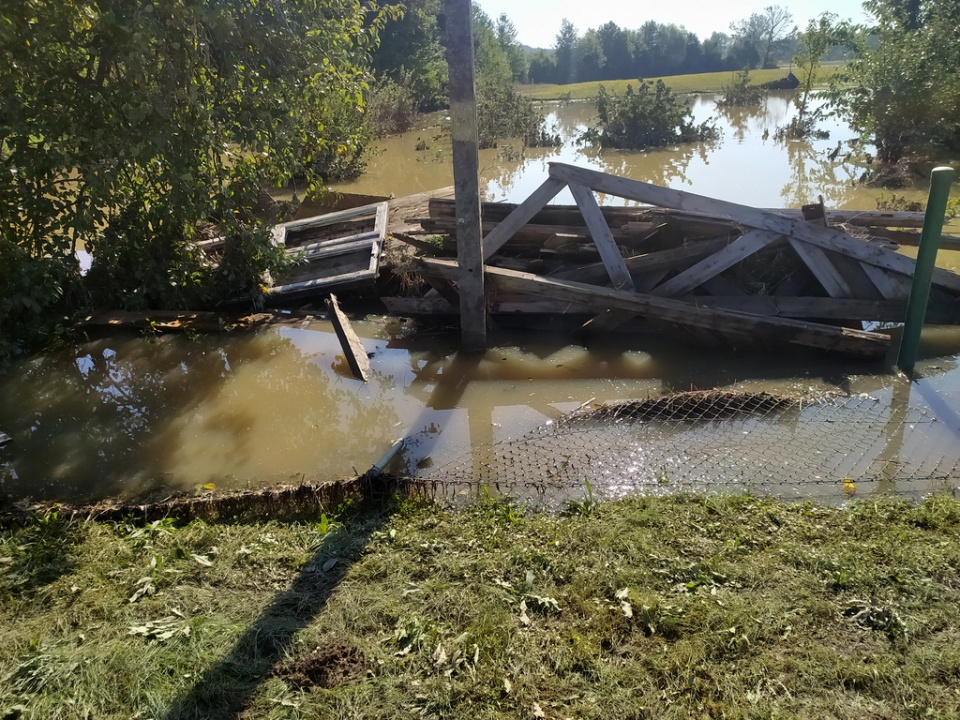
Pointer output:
134, 416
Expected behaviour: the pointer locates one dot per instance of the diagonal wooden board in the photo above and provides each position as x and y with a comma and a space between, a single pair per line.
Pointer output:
352, 347
822, 237
742, 326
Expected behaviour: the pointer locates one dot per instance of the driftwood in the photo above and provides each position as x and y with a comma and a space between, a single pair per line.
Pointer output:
352, 347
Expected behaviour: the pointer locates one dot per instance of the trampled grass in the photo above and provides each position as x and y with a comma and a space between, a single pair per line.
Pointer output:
732, 607
700, 82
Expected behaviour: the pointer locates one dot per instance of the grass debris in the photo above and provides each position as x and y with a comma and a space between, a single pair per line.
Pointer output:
676, 607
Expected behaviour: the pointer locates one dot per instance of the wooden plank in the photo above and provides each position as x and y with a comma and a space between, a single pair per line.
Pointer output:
312, 287
814, 307
508, 305
821, 267
352, 347
466, 172
521, 216
742, 326
735, 252
615, 215
673, 259
891, 286
602, 237
825, 238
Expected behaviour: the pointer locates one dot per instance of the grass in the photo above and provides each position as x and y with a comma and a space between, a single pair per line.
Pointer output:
732, 607
700, 82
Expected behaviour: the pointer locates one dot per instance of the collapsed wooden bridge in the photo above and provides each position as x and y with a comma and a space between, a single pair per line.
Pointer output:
713, 268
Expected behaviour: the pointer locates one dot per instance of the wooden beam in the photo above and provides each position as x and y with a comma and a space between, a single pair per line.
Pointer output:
821, 267
602, 237
743, 327
891, 286
521, 216
825, 238
673, 259
823, 308
741, 248
466, 173
352, 347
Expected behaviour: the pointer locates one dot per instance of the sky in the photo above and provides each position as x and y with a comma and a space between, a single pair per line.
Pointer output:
538, 21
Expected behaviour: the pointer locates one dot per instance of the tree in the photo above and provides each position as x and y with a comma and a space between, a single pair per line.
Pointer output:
516, 57
615, 46
902, 88
125, 125
761, 32
564, 49
410, 53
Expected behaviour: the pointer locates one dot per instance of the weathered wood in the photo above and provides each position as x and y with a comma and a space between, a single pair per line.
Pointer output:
903, 237
352, 347
825, 238
674, 259
890, 285
615, 215
602, 238
466, 172
304, 288
521, 216
852, 271
446, 290
531, 232
509, 304
735, 252
743, 327
822, 308
823, 270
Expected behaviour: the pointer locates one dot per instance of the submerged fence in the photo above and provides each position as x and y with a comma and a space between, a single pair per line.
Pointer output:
831, 448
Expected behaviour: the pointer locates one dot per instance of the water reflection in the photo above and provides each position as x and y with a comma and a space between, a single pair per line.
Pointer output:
133, 416
745, 165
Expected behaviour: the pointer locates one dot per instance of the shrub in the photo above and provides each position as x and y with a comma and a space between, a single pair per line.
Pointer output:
648, 117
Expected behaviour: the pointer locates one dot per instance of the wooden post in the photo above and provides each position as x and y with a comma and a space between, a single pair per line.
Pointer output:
466, 172
940, 180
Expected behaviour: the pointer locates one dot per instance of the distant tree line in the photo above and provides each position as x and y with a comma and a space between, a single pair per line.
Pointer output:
611, 52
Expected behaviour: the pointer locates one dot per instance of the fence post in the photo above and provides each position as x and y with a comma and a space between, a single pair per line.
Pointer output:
940, 180
466, 172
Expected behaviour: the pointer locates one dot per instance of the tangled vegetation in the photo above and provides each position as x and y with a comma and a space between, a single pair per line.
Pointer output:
740, 93
125, 133
901, 90
651, 116
732, 607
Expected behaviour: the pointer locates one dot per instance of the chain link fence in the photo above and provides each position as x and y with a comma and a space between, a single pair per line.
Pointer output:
831, 448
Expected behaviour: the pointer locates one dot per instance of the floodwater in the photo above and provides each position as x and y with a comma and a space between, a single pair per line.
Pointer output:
134, 416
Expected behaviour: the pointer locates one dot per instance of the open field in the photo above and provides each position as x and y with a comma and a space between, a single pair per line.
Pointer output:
701, 82
731, 607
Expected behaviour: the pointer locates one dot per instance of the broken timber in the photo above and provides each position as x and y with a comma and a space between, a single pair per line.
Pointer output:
352, 347
744, 327
684, 259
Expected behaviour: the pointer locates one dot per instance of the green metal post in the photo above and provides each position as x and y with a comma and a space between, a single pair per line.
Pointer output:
940, 180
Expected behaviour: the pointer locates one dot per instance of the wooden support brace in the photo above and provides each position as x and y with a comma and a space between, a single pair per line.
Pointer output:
709, 267
602, 237
521, 216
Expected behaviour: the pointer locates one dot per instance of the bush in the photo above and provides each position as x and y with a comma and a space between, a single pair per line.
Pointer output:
740, 93
391, 108
650, 117
504, 113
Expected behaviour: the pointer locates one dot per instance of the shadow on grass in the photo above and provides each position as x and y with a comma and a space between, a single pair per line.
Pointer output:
227, 689
41, 551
